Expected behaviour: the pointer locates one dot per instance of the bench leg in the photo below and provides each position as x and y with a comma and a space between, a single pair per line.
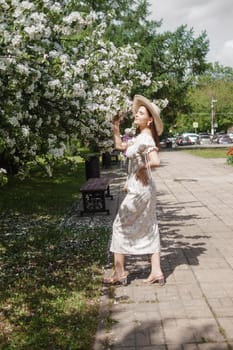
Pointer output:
108, 194
94, 202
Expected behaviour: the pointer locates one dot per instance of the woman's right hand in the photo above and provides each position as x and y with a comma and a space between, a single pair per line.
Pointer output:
116, 122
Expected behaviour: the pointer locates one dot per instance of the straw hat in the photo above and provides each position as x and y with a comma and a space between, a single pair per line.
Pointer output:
152, 108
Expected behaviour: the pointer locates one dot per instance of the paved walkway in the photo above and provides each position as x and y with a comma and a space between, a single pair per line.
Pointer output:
194, 310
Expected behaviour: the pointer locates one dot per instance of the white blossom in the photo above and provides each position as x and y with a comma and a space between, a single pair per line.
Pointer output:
23, 69
54, 83
73, 17
16, 159
3, 65
56, 7
16, 40
53, 54
56, 89
27, 5
49, 170
31, 31
14, 121
3, 171
30, 88
58, 152
39, 123
25, 131
4, 5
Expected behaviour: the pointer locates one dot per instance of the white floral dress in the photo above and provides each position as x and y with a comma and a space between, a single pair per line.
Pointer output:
135, 228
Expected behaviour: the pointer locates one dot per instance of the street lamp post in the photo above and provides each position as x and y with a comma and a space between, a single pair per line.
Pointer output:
213, 101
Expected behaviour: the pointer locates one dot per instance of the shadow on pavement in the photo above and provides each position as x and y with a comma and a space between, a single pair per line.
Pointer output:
179, 248
166, 334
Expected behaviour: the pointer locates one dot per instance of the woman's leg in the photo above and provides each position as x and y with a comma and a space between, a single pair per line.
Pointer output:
119, 275
156, 274
155, 265
119, 265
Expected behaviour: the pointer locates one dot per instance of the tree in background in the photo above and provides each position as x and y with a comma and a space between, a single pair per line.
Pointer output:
181, 59
216, 83
174, 58
66, 66
60, 78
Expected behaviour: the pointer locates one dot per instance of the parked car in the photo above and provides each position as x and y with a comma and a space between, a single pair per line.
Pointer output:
166, 142
215, 137
224, 139
192, 136
204, 139
231, 135
183, 141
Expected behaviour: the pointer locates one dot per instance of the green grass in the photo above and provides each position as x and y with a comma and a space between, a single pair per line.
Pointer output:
208, 152
41, 195
50, 278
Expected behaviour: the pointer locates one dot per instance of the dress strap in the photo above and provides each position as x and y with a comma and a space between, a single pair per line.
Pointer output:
147, 166
152, 148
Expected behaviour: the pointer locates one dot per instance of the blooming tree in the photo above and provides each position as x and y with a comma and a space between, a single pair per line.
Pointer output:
59, 78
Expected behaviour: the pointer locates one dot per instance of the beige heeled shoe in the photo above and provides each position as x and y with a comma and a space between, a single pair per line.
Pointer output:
155, 279
113, 280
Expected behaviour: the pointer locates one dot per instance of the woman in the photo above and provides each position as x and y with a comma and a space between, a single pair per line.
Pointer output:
135, 228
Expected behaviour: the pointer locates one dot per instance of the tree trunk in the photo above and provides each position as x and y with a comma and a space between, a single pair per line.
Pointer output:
92, 167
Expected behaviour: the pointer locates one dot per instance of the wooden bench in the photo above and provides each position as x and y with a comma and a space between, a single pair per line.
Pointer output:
94, 192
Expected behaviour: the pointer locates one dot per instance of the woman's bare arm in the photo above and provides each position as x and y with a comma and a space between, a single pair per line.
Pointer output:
118, 144
153, 161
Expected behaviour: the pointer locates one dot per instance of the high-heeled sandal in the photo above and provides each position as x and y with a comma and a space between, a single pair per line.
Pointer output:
153, 279
122, 280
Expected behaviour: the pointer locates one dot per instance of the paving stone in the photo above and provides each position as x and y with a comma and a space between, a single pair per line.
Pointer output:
178, 331
194, 310
197, 308
230, 261
218, 290
144, 294
209, 262
142, 337
169, 309
222, 307
213, 346
153, 347
217, 275
151, 317
122, 336
190, 347
157, 335
174, 346
116, 347
206, 330
168, 292
189, 291
184, 276
226, 324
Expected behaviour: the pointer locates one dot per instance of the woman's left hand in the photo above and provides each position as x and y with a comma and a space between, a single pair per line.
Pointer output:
141, 175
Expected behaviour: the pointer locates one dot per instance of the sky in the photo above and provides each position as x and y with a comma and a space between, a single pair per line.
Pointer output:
213, 16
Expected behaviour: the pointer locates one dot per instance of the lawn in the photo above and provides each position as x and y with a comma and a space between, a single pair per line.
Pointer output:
208, 152
50, 277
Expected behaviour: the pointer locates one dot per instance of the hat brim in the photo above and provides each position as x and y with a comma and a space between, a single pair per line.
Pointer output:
152, 108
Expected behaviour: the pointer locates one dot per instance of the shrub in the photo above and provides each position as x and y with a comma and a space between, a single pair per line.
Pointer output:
230, 156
